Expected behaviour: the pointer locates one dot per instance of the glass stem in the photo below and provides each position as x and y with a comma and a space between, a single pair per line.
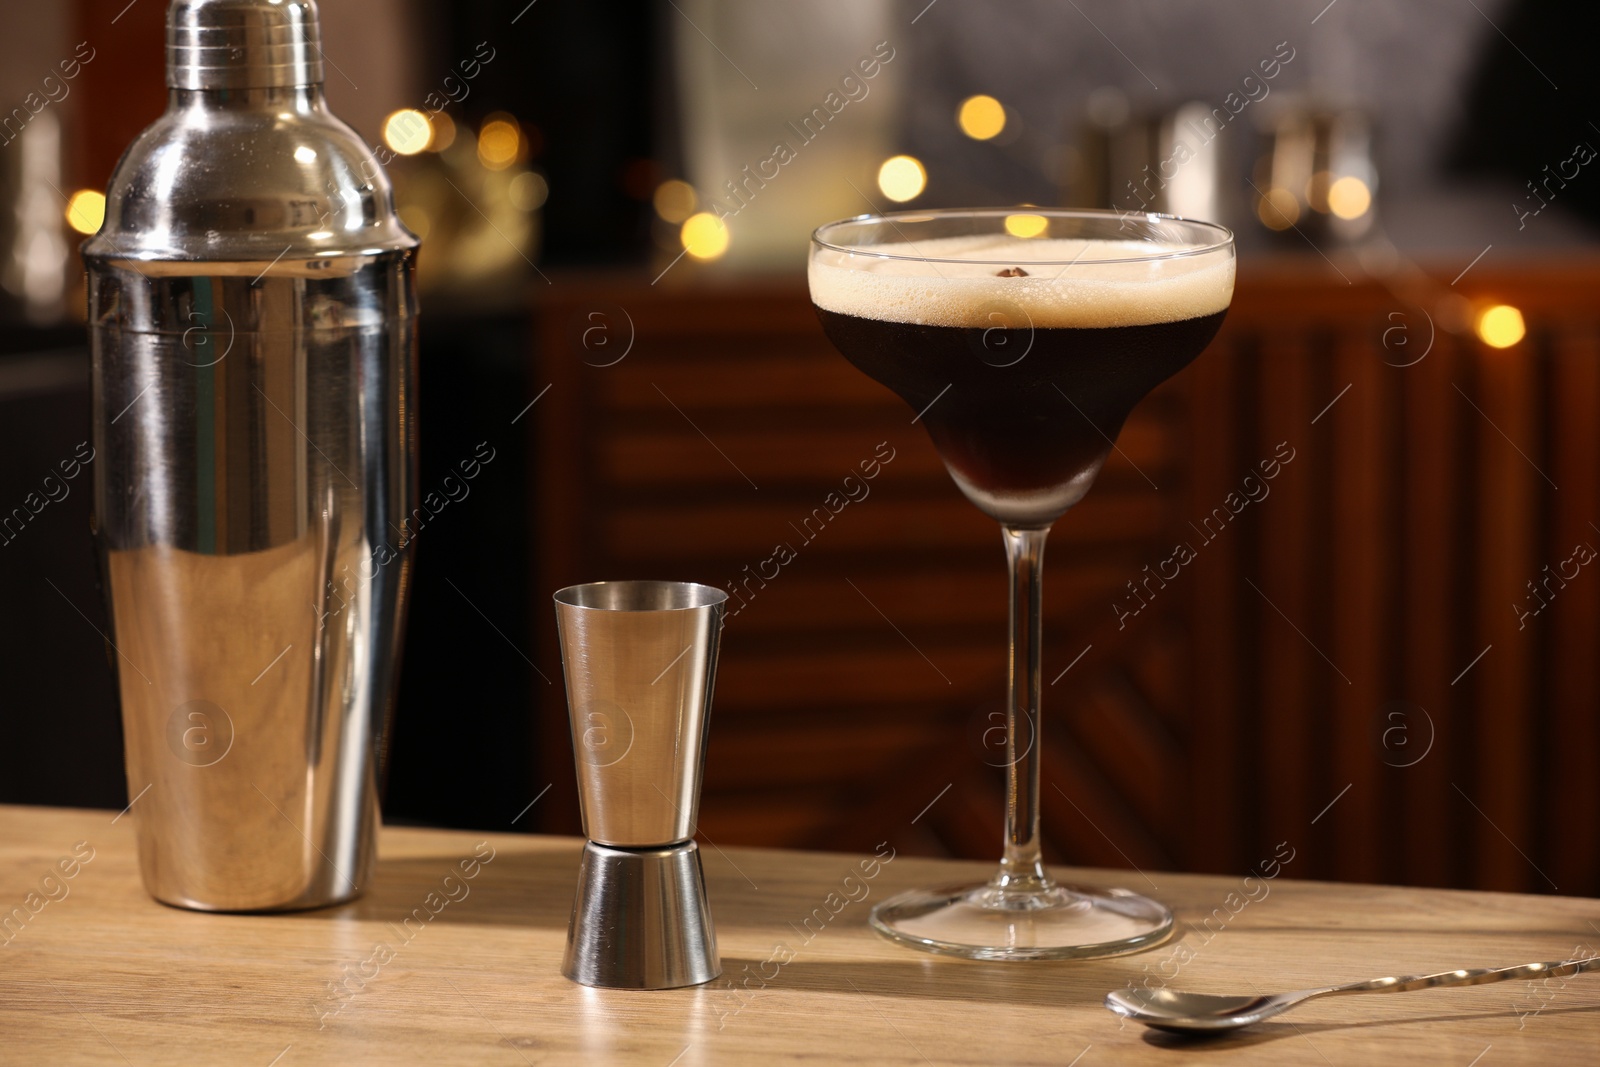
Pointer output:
1021, 869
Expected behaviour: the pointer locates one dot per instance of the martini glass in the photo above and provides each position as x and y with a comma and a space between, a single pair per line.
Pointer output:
1022, 341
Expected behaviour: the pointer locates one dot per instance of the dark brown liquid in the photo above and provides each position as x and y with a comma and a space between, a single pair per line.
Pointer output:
1023, 431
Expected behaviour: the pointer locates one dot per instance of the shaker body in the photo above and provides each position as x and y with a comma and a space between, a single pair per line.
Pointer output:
254, 425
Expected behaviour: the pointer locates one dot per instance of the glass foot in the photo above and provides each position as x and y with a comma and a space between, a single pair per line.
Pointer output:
983, 922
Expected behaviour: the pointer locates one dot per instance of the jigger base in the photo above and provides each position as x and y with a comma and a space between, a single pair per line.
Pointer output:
640, 920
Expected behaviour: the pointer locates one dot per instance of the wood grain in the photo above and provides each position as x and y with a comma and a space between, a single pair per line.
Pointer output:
105, 975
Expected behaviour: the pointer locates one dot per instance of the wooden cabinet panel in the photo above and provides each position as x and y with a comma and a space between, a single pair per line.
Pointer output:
1313, 676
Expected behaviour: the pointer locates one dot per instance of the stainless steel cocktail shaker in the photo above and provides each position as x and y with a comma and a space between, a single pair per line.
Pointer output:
640, 660
253, 325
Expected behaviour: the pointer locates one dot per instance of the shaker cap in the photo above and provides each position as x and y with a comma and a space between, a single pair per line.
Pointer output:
243, 44
244, 177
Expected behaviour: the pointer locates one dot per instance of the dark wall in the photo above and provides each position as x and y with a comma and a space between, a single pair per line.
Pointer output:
463, 752
63, 739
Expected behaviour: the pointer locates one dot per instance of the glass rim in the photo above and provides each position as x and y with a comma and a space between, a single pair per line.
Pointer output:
1225, 241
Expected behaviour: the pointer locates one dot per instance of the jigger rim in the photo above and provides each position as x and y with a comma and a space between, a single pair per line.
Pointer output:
640, 595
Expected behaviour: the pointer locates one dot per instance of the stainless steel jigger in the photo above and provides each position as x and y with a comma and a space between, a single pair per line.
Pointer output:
640, 660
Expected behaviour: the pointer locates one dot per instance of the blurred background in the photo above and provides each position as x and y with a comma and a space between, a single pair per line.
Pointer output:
1387, 659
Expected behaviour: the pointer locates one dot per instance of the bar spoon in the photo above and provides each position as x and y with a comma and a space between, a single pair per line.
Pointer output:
1197, 1013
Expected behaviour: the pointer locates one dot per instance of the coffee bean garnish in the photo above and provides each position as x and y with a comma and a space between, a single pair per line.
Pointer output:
1011, 272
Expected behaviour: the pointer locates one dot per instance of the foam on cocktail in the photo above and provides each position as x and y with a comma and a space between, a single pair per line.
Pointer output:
955, 281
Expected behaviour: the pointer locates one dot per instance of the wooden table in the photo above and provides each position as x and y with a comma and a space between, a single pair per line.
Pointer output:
102, 974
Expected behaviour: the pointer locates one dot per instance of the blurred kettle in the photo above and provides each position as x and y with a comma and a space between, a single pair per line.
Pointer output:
1168, 160
1317, 173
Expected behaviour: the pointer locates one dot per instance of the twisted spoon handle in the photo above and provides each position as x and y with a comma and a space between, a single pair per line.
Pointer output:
1478, 976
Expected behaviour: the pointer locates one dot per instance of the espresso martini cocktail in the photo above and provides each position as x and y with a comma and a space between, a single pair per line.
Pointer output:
1022, 355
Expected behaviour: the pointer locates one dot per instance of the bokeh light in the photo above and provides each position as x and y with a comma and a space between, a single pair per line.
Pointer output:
86, 211
1501, 326
529, 191
407, 131
902, 178
1278, 209
1349, 198
704, 236
675, 200
1026, 225
981, 117
499, 143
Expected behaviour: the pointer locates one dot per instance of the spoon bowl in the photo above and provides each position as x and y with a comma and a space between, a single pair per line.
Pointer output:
1195, 1013
1202, 1013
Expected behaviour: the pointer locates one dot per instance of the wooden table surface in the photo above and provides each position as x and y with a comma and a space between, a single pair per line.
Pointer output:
94, 971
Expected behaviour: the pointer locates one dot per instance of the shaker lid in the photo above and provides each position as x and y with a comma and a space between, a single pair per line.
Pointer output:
243, 44
244, 177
